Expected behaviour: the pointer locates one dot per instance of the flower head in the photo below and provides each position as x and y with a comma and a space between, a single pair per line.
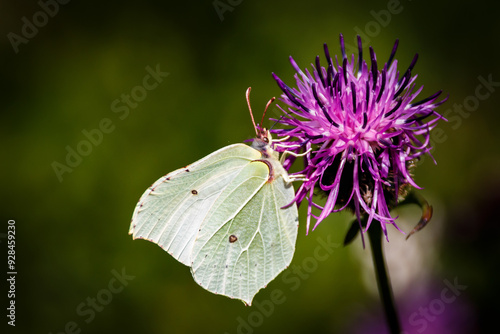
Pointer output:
363, 130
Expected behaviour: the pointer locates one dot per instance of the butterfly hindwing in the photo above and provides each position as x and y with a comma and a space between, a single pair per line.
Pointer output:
239, 254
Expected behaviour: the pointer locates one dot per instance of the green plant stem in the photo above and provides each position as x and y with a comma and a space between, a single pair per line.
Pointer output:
383, 282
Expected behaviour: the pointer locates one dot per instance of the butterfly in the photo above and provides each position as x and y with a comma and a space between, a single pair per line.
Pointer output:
229, 216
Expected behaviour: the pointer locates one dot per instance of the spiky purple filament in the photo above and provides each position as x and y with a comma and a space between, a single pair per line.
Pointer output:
364, 121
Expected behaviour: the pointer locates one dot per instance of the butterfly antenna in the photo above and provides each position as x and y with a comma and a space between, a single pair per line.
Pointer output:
250, 109
265, 110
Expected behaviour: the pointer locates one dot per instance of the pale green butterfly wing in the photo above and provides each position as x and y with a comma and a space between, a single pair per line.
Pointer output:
223, 216
238, 253
171, 211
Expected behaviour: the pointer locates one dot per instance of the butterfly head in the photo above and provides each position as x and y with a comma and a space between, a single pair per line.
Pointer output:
263, 139
263, 142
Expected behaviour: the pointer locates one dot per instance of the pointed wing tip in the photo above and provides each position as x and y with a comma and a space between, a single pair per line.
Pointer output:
131, 229
142, 237
246, 302
134, 235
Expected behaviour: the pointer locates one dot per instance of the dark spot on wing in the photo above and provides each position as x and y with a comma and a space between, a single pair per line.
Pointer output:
233, 238
187, 170
194, 192
168, 178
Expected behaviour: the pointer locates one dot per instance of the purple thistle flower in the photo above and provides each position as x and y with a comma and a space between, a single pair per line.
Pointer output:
363, 130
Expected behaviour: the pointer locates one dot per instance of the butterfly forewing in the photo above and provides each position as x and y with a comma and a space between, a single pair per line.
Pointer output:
172, 210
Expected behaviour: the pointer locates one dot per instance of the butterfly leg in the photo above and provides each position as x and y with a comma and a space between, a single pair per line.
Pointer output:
281, 139
297, 177
282, 159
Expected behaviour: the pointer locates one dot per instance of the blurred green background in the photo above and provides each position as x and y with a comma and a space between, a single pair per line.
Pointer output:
71, 230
